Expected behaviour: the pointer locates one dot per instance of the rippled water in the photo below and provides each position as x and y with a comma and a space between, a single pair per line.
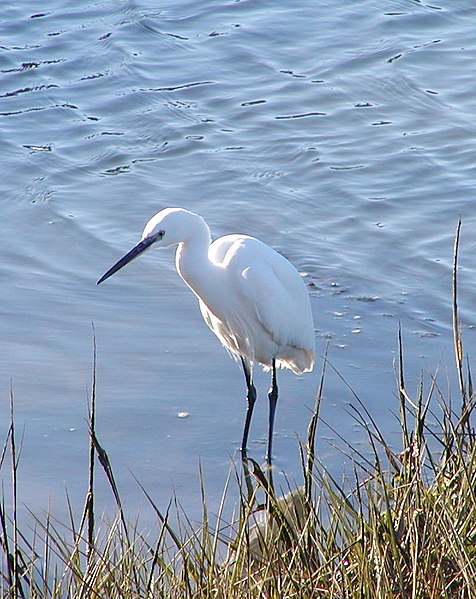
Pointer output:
342, 134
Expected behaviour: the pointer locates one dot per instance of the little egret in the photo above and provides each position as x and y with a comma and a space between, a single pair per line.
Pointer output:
250, 296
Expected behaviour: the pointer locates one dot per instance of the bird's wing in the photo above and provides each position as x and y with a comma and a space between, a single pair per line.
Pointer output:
273, 290
223, 248
283, 314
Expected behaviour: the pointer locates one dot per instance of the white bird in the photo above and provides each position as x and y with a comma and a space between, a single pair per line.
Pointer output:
250, 296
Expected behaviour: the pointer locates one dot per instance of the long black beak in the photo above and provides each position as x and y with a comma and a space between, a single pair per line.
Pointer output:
136, 251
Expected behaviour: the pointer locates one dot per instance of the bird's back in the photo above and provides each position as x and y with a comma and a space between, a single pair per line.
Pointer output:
269, 309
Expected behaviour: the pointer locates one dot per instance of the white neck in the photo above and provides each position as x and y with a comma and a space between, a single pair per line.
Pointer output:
193, 264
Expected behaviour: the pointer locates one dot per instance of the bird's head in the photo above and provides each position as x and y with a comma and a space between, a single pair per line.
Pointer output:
168, 227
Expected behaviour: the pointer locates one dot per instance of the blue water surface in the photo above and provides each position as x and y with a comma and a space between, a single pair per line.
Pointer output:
340, 133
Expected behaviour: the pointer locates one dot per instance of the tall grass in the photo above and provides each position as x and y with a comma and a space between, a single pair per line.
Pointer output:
403, 527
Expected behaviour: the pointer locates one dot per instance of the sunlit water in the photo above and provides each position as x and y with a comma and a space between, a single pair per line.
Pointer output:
342, 134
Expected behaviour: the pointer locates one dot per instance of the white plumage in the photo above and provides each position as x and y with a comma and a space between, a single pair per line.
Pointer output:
250, 296
266, 311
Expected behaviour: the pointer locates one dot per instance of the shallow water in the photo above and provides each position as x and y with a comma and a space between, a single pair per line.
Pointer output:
343, 136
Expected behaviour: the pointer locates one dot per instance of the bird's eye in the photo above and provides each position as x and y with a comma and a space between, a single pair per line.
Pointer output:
160, 234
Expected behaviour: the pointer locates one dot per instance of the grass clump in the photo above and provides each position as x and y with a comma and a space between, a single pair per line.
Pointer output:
403, 526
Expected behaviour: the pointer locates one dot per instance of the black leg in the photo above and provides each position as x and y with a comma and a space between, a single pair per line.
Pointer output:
251, 399
273, 400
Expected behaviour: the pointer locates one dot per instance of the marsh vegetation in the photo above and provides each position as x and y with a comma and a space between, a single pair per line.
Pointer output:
402, 525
